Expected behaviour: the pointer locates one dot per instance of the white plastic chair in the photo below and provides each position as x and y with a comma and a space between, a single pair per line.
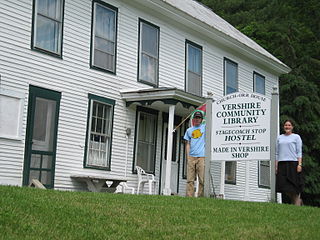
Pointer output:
143, 178
125, 187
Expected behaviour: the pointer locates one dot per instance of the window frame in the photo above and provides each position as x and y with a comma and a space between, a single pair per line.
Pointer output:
261, 185
234, 180
92, 44
91, 99
187, 43
255, 74
34, 31
261, 163
140, 22
15, 131
136, 138
225, 85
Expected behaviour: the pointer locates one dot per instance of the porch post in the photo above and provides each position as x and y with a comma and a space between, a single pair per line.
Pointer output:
274, 132
247, 182
167, 189
222, 178
208, 147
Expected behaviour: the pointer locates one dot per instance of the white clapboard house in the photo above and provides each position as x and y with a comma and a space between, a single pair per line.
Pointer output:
87, 87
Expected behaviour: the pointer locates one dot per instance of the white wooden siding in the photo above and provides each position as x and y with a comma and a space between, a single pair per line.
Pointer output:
20, 66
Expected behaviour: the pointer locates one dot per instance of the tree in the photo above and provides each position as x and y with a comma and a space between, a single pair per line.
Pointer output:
290, 30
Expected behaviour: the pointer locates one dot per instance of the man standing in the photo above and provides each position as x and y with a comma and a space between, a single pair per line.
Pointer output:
195, 148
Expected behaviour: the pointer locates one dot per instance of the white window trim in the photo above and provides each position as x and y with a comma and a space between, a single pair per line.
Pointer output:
89, 135
21, 97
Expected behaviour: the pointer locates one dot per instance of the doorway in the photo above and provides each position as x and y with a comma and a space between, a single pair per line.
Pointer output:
41, 136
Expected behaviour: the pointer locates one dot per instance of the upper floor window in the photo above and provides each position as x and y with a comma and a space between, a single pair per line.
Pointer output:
148, 53
104, 36
230, 76
47, 26
264, 166
231, 85
99, 132
259, 85
193, 68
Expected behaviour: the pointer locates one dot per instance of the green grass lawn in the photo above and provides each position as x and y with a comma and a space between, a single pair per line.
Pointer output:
28, 213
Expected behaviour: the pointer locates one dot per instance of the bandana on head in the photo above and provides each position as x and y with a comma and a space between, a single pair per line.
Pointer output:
201, 109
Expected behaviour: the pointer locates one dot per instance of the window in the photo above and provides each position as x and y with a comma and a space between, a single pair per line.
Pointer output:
148, 53
11, 114
259, 83
145, 141
193, 68
231, 85
230, 76
264, 174
230, 172
99, 132
47, 26
264, 166
104, 36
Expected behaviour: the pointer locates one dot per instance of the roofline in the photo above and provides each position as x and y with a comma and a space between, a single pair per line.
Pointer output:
164, 7
134, 95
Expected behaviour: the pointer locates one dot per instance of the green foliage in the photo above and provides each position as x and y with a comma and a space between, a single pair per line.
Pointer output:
29, 213
290, 30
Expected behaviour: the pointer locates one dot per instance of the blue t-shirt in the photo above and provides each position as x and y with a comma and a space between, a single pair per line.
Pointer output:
196, 136
289, 147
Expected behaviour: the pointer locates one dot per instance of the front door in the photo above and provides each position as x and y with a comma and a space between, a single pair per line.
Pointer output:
41, 136
174, 160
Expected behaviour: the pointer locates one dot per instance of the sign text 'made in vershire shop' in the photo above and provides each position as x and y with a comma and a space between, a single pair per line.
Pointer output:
241, 127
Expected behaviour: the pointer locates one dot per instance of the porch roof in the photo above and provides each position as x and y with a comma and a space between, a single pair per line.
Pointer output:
161, 98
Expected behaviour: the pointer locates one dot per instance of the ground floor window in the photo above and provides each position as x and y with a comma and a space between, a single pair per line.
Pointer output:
264, 174
230, 172
145, 139
99, 132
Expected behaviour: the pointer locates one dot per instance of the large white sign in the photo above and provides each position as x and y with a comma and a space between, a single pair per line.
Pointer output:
241, 127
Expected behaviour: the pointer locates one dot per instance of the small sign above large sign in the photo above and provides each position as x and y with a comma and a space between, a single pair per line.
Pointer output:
241, 127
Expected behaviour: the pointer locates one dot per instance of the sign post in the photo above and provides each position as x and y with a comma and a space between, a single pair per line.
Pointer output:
206, 189
274, 122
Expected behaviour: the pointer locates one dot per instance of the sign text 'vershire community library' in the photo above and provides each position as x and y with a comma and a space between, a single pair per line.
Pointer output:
241, 127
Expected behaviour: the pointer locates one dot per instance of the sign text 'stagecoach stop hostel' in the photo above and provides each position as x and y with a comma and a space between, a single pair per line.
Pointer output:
241, 127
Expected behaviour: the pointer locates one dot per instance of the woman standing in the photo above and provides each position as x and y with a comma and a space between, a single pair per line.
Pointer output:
289, 163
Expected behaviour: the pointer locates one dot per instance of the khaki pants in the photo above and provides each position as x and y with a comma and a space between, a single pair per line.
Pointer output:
195, 168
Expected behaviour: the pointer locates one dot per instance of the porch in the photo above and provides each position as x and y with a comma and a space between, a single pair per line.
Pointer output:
173, 106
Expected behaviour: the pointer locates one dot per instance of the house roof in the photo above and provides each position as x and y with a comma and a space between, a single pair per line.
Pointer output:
219, 26
161, 98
